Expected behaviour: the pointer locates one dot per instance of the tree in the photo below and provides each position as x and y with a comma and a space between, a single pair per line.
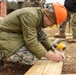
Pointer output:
12, 5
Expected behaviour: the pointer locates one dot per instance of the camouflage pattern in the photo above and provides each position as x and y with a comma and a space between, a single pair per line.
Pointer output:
23, 56
33, 3
73, 24
63, 25
72, 18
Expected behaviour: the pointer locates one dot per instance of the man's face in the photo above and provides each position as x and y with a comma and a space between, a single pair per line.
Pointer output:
47, 22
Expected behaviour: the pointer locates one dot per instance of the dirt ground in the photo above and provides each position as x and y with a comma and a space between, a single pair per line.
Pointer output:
69, 66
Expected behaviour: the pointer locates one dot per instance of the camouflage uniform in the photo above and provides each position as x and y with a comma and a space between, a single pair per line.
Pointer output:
23, 56
63, 25
73, 24
71, 7
34, 3
23, 27
72, 18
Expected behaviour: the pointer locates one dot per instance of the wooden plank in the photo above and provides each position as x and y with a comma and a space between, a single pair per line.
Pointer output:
67, 34
37, 67
56, 69
45, 67
52, 38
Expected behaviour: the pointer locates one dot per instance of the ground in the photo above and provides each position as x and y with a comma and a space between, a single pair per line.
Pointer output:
69, 66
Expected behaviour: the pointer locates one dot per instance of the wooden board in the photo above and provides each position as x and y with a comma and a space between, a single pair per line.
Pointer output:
67, 34
45, 67
52, 38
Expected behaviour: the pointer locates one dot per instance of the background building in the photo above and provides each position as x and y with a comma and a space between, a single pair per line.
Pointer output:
3, 8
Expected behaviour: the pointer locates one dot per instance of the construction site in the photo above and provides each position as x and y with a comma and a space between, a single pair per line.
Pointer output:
44, 66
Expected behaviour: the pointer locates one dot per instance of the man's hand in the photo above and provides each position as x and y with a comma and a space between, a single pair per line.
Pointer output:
54, 56
59, 53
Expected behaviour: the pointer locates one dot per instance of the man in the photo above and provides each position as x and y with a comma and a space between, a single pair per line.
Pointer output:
22, 38
71, 7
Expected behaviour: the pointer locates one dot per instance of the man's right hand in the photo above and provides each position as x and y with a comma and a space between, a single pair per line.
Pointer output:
53, 56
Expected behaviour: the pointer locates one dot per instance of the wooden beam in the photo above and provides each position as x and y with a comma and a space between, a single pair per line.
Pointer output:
67, 34
67, 38
45, 67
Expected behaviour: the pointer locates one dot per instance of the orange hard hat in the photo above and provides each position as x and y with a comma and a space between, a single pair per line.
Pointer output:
60, 12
